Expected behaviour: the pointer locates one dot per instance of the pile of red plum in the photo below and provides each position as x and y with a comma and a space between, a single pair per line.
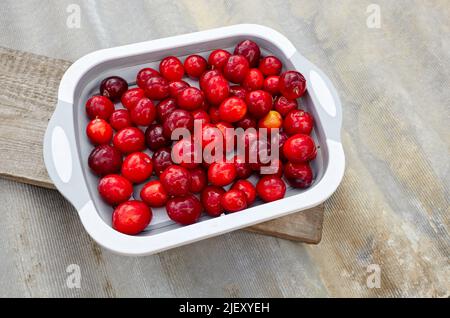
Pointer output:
131, 129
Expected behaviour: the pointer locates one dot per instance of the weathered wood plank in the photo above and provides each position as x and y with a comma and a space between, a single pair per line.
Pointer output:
303, 226
29, 90
31, 83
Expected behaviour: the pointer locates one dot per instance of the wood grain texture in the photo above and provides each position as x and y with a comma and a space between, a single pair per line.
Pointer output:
31, 84
304, 226
28, 97
392, 208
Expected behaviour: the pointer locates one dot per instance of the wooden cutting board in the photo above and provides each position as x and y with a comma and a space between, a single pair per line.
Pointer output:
28, 93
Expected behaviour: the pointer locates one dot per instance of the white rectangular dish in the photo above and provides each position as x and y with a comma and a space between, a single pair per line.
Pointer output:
66, 147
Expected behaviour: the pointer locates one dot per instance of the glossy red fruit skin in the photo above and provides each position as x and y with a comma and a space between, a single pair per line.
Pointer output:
284, 105
250, 50
298, 122
280, 138
243, 169
131, 217
154, 137
233, 201
236, 69
198, 180
144, 113
105, 159
248, 188
209, 134
157, 87
299, 148
131, 97
210, 198
137, 167
214, 114
165, 107
298, 175
195, 65
184, 210
259, 103
204, 79
205, 105
254, 80
176, 180
201, 115
190, 98
244, 142
221, 173
176, 87
144, 74
216, 89
232, 109
113, 87
246, 122
208, 160
270, 188
183, 153
99, 107
120, 119
270, 65
276, 164
114, 189
218, 58
179, 118
128, 140
99, 131
227, 130
292, 84
171, 68
238, 91
261, 148
162, 158
271, 85
280, 168
154, 194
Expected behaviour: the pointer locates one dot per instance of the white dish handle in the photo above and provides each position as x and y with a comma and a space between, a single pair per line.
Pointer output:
60, 156
323, 93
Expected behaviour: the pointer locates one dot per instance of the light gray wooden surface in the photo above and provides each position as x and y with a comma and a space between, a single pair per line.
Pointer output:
392, 208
